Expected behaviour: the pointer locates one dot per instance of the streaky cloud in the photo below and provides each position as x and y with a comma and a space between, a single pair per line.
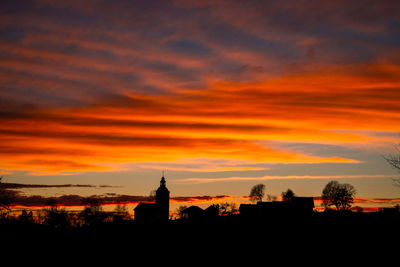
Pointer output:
19, 186
89, 85
278, 177
38, 201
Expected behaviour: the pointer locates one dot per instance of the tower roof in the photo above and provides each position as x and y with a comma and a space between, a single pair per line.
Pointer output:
163, 187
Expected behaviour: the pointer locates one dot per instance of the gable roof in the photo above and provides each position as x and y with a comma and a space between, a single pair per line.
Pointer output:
193, 209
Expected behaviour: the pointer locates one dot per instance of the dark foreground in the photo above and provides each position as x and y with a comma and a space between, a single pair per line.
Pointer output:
228, 237
314, 240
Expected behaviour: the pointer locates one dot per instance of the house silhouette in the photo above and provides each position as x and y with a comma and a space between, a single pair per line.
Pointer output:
155, 212
296, 206
196, 213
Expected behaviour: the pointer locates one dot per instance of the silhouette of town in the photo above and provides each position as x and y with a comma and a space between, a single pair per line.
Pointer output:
293, 217
158, 212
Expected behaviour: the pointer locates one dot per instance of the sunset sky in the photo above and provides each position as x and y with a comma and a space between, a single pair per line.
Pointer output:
221, 95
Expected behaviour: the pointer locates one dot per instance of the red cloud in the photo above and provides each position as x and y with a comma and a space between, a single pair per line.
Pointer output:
107, 199
228, 82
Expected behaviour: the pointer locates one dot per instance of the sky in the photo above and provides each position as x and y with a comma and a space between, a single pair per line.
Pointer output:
220, 95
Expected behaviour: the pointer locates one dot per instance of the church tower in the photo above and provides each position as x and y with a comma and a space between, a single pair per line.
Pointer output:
162, 200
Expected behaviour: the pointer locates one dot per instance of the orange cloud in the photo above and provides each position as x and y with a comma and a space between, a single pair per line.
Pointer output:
226, 120
278, 177
90, 98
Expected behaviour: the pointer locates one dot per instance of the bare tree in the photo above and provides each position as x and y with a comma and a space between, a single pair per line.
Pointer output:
233, 208
152, 195
120, 213
180, 210
226, 208
339, 195
257, 193
56, 217
93, 213
394, 161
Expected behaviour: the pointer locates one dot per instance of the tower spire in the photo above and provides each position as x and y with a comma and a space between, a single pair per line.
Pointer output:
162, 182
162, 198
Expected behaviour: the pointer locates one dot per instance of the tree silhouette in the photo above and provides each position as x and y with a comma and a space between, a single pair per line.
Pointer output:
339, 195
394, 161
55, 216
93, 213
26, 217
257, 193
288, 195
227, 208
152, 195
7, 197
120, 213
180, 210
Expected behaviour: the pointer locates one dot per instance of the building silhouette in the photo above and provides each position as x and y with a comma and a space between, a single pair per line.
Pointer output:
297, 206
155, 212
194, 213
